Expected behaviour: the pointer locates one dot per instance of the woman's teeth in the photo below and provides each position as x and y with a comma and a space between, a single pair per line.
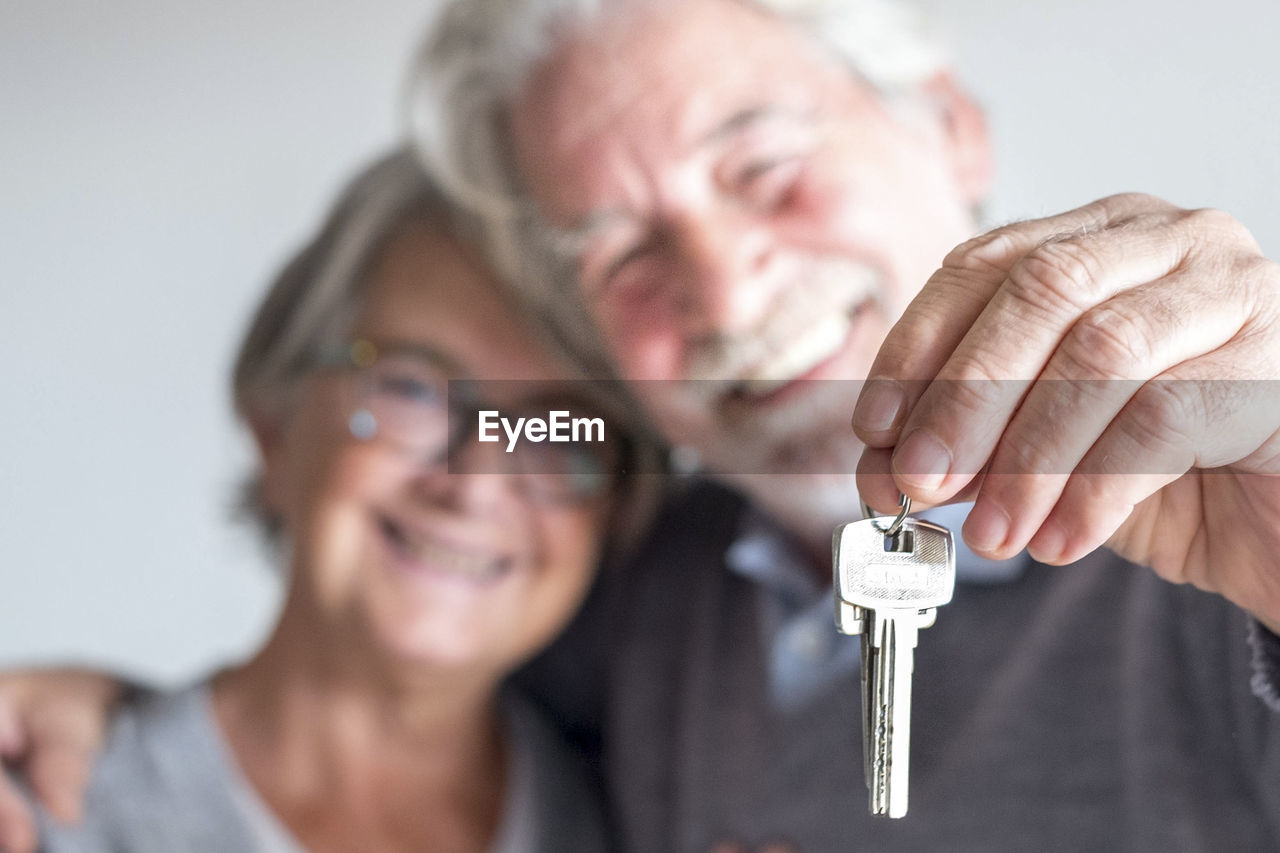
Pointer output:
446, 558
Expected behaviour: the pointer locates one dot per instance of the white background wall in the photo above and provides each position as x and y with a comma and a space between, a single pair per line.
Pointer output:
158, 159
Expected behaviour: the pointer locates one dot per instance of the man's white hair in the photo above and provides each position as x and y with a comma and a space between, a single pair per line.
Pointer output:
477, 56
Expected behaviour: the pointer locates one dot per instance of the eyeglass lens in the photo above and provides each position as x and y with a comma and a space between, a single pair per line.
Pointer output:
407, 401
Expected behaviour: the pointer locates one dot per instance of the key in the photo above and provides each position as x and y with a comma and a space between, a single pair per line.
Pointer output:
891, 575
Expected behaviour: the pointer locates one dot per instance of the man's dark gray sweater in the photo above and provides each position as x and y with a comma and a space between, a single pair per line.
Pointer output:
1087, 708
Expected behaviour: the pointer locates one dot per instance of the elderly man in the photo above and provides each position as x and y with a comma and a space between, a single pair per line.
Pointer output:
742, 199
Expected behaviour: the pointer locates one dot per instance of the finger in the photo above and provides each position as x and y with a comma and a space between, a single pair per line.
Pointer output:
877, 488
64, 743
1171, 425
937, 320
1080, 393
17, 824
12, 741
957, 423
875, 481
59, 772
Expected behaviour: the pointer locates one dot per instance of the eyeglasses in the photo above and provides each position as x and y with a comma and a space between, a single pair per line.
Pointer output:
406, 396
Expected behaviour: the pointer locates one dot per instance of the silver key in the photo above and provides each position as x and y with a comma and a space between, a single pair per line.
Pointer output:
891, 575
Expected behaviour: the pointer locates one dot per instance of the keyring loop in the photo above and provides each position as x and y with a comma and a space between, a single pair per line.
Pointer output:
904, 502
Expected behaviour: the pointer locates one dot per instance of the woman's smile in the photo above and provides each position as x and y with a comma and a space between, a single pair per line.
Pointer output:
424, 552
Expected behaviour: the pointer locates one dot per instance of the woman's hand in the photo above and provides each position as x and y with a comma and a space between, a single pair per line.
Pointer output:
52, 723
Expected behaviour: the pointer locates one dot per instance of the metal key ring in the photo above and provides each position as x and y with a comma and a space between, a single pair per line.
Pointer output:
904, 502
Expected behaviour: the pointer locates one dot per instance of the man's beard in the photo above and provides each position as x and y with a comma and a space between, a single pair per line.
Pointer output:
808, 505
807, 319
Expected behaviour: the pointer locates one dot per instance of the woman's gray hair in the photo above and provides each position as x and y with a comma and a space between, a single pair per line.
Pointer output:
478, 54
310, 307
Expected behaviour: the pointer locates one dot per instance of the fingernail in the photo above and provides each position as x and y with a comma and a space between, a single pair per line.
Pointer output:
922, 460
1049, 542
879, 406
987, 527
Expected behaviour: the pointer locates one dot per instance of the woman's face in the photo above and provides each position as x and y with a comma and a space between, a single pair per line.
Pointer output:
429, 562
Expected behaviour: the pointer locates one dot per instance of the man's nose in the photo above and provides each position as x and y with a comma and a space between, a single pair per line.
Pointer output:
728, 279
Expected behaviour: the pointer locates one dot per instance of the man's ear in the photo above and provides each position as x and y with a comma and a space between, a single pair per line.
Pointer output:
965, 127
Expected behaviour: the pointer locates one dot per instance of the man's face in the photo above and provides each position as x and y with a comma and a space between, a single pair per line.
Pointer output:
745, 213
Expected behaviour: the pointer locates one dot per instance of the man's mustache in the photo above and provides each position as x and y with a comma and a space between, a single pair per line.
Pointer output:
820, 296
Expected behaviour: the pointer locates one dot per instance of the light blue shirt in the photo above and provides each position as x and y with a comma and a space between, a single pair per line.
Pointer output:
805, 651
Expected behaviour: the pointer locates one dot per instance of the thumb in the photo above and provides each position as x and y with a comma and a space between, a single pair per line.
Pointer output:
59, 771
17, 824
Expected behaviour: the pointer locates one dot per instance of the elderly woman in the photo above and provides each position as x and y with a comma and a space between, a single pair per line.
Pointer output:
424, 566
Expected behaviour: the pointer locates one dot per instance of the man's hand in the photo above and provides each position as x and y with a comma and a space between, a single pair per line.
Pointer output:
1153, 426
51, 729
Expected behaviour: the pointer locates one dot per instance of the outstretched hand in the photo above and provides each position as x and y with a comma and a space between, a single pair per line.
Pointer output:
1105, 376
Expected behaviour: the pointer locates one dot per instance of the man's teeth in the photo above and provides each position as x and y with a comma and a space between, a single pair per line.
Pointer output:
450, 559
800, 355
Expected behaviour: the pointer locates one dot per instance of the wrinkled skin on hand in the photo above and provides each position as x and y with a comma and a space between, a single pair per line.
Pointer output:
1152, 334
52, 724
